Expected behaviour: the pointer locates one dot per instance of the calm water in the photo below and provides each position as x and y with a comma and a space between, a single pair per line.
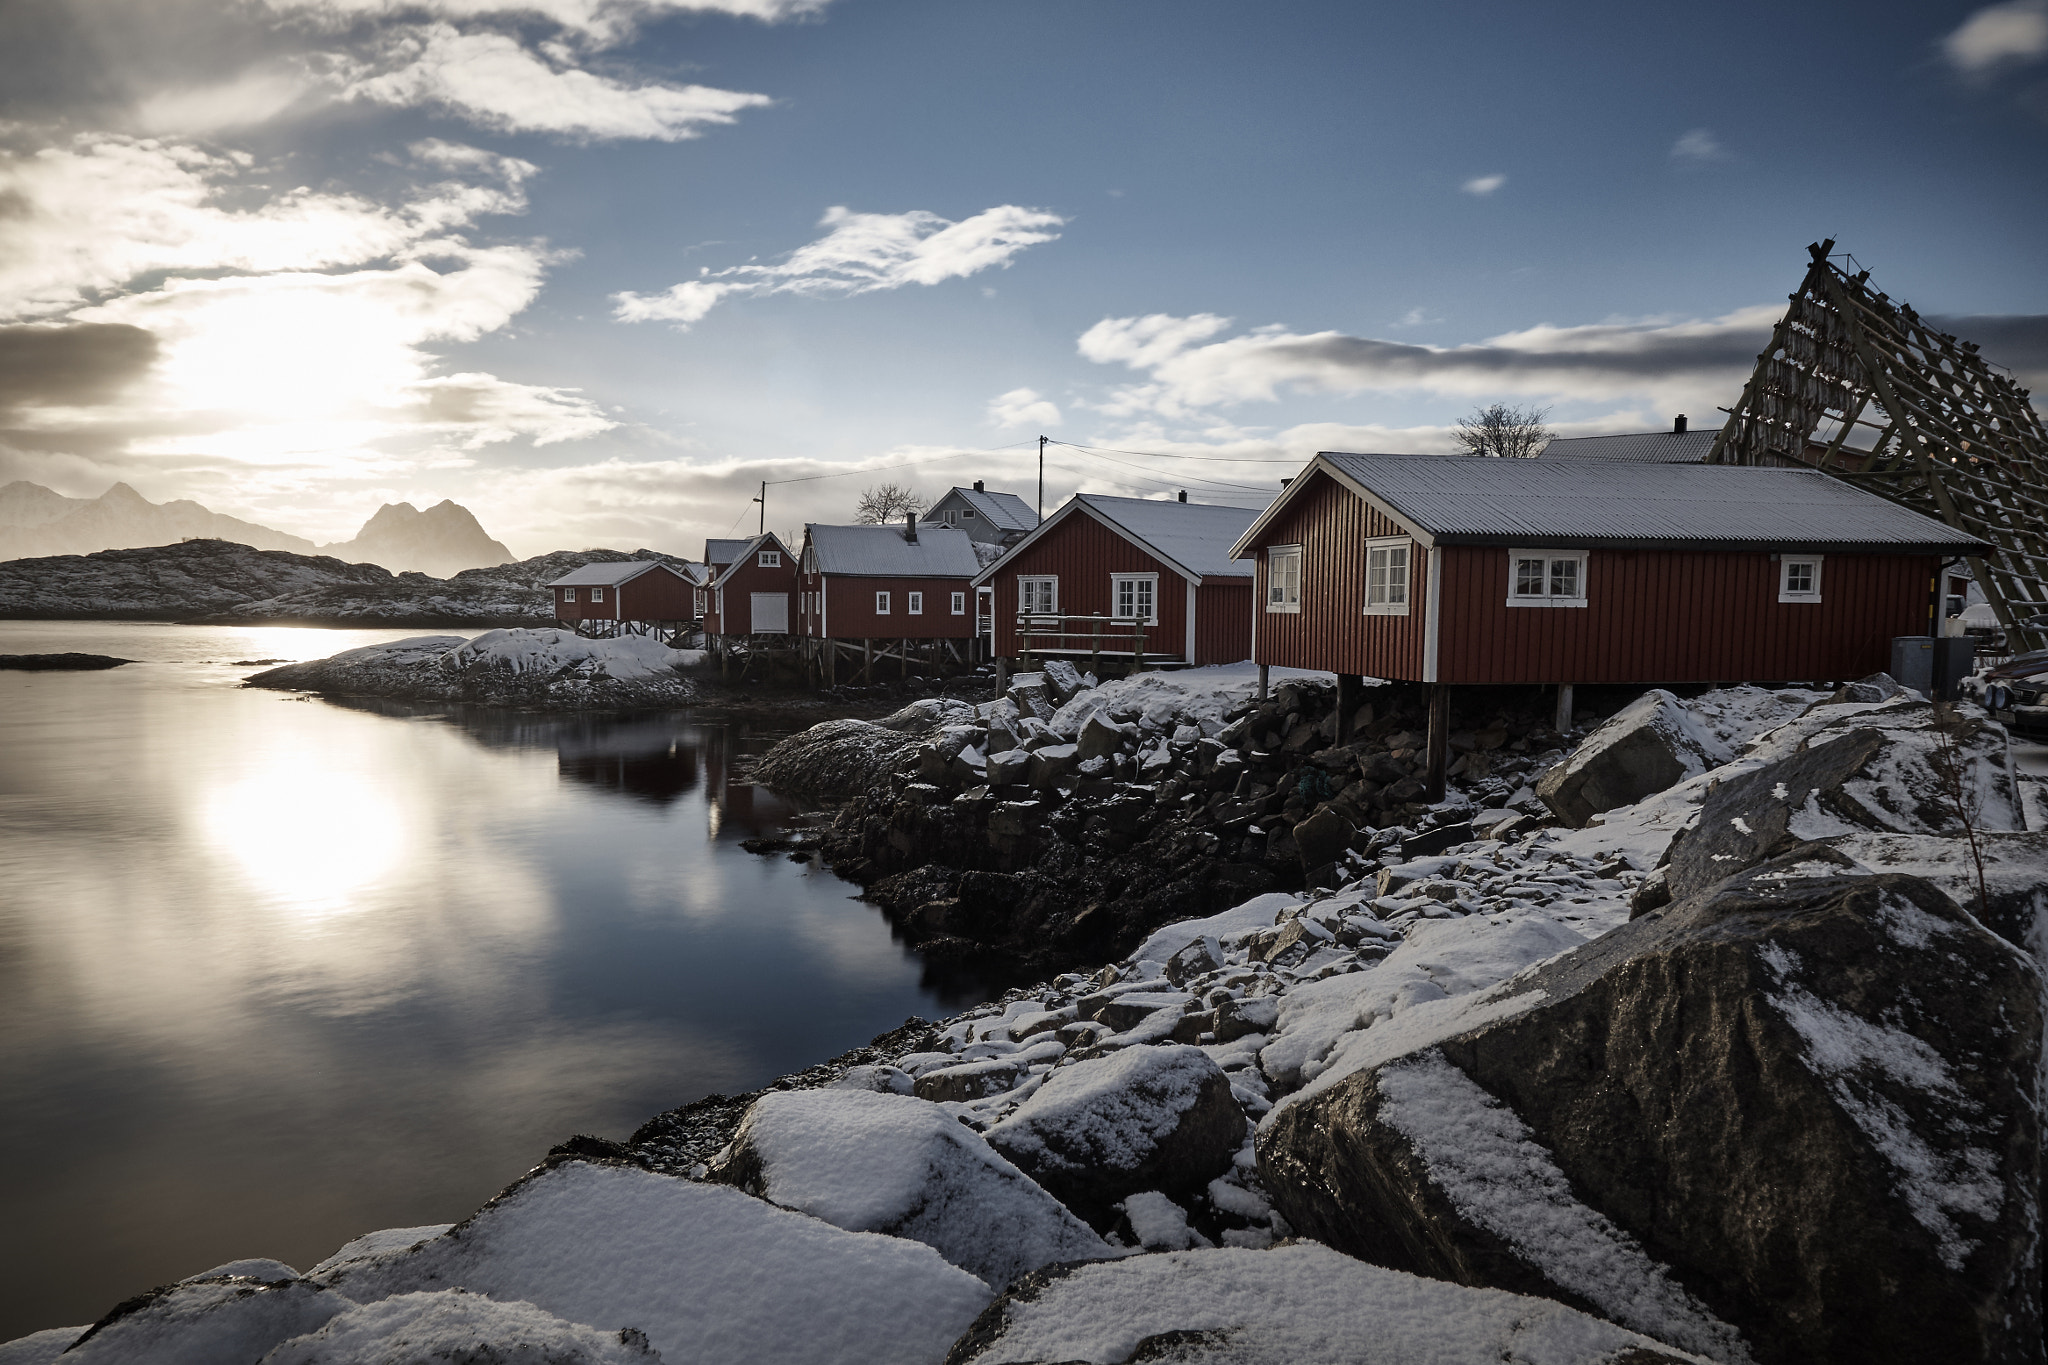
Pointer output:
275, 972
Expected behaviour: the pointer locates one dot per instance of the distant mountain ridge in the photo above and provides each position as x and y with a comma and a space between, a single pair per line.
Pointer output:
36, 521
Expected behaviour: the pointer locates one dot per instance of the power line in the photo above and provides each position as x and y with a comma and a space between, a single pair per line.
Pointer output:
1190, 478
1169, 455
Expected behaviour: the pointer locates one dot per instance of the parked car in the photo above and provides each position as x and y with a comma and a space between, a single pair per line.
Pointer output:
2016, 694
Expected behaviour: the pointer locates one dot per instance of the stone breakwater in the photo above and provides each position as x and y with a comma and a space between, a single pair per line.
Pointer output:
1646, 1090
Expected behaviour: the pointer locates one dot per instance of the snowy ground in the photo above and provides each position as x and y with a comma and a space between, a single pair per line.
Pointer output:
517, 667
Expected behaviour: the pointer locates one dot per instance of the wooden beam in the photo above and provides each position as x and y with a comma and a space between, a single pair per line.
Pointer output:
1439, 741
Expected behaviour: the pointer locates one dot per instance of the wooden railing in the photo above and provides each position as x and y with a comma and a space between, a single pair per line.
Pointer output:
1095, 636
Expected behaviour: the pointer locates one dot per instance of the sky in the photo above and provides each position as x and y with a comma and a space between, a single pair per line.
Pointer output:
597, 269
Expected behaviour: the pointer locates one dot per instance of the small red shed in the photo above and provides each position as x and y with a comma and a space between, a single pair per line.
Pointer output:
751, 594
1461, 569
908, 583
631, 596
1101, 569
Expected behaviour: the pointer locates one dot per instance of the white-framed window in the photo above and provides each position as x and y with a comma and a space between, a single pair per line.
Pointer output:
881, 604
770, 559
1283, 578
597, 594
568, 594
1546, 578
1039, 595
1386, 576
967, 514
1799, 578
1134, 597
959, 604
810, 559
915, 605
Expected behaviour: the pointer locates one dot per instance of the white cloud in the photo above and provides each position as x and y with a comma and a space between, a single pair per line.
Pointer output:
1023, 408
1999, 35
1185, 371
603, 21
257, 95
1484, 185
1699, 144
863, 253
493, 81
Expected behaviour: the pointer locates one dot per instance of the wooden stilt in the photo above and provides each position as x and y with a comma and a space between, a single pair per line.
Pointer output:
1265, 677
1439, 740
1563, 721
1350, 695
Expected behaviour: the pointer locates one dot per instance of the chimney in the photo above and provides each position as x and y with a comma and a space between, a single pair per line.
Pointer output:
910, 527
1678, 425
978, 488
1183, 495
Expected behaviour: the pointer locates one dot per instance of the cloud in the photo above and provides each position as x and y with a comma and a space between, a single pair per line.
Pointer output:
1698, 145
493, 81
1999, 36
1185, 371
2017, 341
1023, 408
1484, 185
862, 253
603, 21
81, 365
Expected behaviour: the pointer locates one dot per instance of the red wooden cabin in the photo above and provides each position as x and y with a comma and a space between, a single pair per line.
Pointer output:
885, 583
1461, 570
634, 595
751, 594
1097, 570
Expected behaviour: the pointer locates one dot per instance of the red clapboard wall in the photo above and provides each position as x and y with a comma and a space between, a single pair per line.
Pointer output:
1331, 632
750, 576
849, 610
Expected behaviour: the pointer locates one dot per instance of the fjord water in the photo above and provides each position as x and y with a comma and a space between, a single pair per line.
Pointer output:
276, 971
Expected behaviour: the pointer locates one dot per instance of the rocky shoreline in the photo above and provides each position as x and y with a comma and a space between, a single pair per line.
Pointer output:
1745, 1067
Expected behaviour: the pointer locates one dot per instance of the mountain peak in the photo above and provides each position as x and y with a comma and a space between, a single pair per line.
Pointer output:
443, 540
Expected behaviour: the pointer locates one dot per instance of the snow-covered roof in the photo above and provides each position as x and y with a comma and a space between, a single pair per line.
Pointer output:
1473, 500
882, 552
720, 552
767, 540
605, 575
1666, 447
1193, 538
1004, 511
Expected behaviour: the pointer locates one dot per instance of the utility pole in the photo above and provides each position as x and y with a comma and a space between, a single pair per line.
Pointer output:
1041, 478
763, 500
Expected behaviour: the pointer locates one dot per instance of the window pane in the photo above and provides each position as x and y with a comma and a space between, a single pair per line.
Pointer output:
1564, 578
1397, 576
1144, 587
1528, 578
1799, 576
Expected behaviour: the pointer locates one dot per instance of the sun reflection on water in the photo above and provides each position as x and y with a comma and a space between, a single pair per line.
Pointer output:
308, 837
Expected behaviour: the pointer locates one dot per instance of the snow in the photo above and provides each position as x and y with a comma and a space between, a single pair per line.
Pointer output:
1490, 1166
1291, 1305
1257, 913
1159, 1224
208, 1323
562, 653
708, 1273
256, 1269
453, 1325
1107, 1112
1197, 696
377, 1244
887, 1163
39, 1348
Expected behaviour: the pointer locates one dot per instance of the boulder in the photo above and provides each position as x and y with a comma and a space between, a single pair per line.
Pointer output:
968, 1081
1792, 1118
706, 1272
1064, 681
205, 1321
1100, 737
1650, 745
1297, 1304
883, 1163
1143, 1118
453, 1325
1323, 837
1008, 768
1030, 695
1050, 766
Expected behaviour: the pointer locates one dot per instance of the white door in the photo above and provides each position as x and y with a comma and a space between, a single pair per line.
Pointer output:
771, 613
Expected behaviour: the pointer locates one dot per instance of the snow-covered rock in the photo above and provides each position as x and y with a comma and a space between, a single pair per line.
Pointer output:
1142, 1118
39, 1348
706, 1272
542, 668
892, 1164
458, 1327
1649, 745
206, 1322
1288, 1306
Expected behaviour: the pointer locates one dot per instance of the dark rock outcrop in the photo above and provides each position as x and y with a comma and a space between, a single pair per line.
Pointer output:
1799, 1107
1646, 748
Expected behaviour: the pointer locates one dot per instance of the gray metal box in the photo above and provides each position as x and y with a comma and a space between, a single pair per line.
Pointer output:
1913, 662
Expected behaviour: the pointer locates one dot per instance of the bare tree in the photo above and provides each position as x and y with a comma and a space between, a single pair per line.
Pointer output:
1499, 430
886, 503
1956, 774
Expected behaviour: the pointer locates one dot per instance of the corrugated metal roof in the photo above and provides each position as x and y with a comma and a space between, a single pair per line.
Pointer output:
724, 551
605, 575
1194, 535
1470, 500
1005, 511
882, 552
1666, 447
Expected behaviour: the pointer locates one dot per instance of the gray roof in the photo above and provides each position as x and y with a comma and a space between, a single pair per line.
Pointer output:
724, 551
882, 552
1667, 447
605, 575
767, 540
1004, 511
1472, 500
1195, 536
